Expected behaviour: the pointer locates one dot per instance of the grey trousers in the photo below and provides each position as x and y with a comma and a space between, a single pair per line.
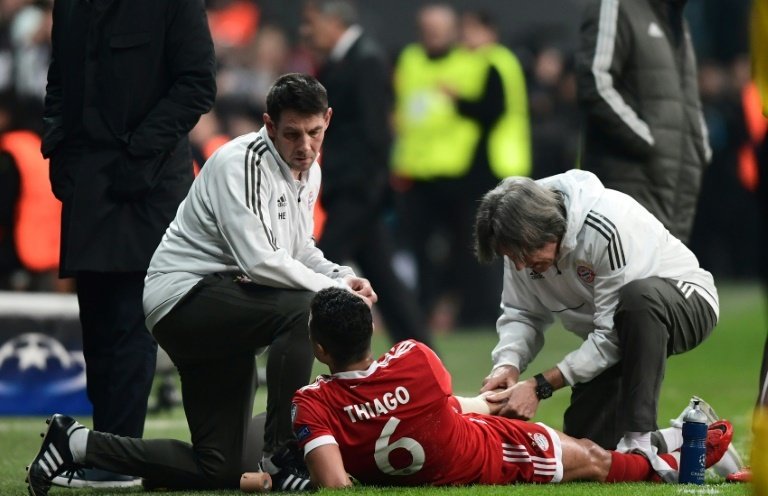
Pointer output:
212, 336
654, 320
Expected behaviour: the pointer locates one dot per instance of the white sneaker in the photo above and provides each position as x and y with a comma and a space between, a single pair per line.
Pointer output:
705, 407
731, 461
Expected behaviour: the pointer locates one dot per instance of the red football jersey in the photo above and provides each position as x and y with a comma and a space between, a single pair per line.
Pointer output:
397, 423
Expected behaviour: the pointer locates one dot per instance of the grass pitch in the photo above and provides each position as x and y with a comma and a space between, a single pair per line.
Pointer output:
723, 370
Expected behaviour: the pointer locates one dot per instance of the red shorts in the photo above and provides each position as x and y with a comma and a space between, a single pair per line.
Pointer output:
528, 452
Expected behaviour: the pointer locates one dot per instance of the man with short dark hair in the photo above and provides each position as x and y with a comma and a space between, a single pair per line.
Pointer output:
617, 278
233, 274
394, 421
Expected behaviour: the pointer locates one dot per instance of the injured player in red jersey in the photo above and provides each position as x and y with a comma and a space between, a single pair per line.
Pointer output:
394, 421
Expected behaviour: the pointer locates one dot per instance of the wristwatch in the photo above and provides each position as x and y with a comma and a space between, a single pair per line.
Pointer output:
543, 387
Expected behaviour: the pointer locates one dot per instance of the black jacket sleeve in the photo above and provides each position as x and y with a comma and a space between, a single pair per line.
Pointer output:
605, 46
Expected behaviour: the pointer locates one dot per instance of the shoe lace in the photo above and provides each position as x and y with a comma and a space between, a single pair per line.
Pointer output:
72, 472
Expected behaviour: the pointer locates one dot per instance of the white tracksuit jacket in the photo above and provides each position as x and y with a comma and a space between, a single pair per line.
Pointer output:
244, 213
609, 241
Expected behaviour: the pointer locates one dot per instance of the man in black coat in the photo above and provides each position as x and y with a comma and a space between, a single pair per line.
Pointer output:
355, 158
128, 80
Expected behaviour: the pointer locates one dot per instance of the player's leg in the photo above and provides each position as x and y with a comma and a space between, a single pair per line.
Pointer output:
583, 459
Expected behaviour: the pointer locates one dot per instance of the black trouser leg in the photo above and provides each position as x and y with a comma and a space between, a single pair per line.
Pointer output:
119, 351
654, 319
289, 366
212, 336
594, 409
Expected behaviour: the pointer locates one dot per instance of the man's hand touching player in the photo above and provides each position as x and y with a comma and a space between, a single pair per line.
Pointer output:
362, 288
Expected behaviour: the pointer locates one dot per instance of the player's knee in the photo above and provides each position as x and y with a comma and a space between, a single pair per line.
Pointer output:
600, 461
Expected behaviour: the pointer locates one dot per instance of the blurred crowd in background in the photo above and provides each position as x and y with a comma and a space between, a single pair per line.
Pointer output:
257, 40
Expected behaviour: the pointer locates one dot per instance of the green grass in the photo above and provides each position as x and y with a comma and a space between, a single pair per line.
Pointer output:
723, 370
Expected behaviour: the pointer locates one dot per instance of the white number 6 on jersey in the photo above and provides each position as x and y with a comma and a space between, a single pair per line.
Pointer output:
383, 449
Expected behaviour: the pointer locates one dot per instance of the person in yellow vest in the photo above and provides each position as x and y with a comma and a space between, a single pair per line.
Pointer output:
443, 129
499, 105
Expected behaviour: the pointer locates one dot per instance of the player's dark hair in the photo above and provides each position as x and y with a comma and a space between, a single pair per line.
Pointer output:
298, 92
342, 324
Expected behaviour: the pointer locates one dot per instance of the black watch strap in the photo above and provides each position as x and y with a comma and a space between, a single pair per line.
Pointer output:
543, 387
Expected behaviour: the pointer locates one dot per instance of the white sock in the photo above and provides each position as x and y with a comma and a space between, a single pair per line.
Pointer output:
78, 441
673, 436
635, 441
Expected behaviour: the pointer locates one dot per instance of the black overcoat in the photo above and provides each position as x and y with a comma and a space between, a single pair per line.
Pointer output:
128, 80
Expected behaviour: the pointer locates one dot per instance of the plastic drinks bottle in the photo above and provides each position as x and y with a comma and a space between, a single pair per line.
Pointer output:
693, 454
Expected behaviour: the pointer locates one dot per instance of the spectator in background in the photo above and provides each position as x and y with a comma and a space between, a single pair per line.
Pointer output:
128, 80
554, 113
9, 195
503, 149
727, 248
644, 132
246, 76
355, 160
433, 153
31, 41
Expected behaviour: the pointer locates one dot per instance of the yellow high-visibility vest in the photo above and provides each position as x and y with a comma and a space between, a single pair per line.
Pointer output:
509, 144
432, 139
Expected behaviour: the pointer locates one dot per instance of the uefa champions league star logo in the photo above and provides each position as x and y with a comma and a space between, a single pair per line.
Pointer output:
37, 372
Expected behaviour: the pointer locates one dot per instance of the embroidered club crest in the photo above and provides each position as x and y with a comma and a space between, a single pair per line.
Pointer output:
585, 273
541, 441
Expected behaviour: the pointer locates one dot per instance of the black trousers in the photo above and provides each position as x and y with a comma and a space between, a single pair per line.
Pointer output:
354, 233
654, 320
119, 351
438, 219
212, 335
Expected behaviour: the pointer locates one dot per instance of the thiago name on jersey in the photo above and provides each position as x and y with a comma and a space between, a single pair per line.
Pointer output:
379, 406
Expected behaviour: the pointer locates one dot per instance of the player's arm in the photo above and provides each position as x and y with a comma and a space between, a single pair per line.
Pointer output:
478, 404
326, 468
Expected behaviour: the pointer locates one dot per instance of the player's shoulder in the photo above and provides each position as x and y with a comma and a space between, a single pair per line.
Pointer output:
319, 384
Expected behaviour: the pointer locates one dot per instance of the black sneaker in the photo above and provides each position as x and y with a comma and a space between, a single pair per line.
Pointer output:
94, 478
288, 471
54, 456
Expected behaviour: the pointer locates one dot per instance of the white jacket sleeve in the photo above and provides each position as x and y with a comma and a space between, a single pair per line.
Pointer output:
521, 326
244, 222
616, 263
311, 256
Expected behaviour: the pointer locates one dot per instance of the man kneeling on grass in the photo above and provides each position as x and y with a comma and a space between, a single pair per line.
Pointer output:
394, 421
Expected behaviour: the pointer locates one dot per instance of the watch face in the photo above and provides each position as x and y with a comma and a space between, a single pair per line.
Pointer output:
543, 388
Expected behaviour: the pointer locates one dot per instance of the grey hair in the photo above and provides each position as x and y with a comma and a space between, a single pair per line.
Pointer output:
520, 216
343, 10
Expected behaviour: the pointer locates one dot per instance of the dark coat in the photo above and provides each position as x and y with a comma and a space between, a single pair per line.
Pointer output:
644, 132
356, 149
128, 80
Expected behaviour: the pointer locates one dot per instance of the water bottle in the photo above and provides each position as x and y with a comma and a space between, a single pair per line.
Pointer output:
693, 454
